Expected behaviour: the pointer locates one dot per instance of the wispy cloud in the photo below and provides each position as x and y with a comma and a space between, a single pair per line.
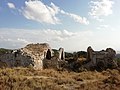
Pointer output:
59, 35
11, 5
103, 27
36, 10
76, 18
106, 27
71, 41
101, 8
14, 38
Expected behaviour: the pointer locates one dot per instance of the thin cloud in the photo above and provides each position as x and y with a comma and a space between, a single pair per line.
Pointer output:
105, 27
101, 8
14, 38
76, 18
71, 41
11, 5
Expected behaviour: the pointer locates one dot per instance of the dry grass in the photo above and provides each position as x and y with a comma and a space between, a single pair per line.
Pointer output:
48, 79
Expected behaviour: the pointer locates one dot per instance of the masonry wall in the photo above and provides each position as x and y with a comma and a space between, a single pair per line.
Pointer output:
11, 61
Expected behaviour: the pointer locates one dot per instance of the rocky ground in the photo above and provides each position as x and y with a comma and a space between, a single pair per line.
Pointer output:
48, 79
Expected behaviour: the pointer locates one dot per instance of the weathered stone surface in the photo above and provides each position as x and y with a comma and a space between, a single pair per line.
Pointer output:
61, 54
56, 61
38, 56
52, 63
37, 52
32, 54
41, 56
101, 59
89, 53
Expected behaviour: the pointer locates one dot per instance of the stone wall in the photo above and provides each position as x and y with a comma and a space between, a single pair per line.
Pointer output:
13, 61
101, 59
38, 56
30, 55
55, 62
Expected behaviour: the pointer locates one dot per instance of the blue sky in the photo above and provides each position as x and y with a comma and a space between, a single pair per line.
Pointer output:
71, 24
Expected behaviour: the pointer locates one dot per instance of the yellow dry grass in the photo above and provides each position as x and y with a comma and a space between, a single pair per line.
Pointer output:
49, 79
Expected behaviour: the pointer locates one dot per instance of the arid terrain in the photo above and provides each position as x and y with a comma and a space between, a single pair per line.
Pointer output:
59, 45
48, 79
70, 77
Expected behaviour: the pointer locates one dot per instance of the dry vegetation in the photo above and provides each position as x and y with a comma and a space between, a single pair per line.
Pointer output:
29, 79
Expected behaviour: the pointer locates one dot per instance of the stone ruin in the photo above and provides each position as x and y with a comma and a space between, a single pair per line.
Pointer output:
61, 54
100, 59
41, 56
38, 56
31, 55
55, 62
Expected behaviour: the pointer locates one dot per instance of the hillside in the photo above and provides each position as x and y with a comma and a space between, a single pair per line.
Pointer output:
48, 79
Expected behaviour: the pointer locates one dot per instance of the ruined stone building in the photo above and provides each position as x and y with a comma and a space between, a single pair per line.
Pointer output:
56, 61
101, 59
30, 55
41, 56
38, 56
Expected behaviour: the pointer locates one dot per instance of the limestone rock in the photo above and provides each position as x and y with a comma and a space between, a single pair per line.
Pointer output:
61, 54
101, 59
32, 54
